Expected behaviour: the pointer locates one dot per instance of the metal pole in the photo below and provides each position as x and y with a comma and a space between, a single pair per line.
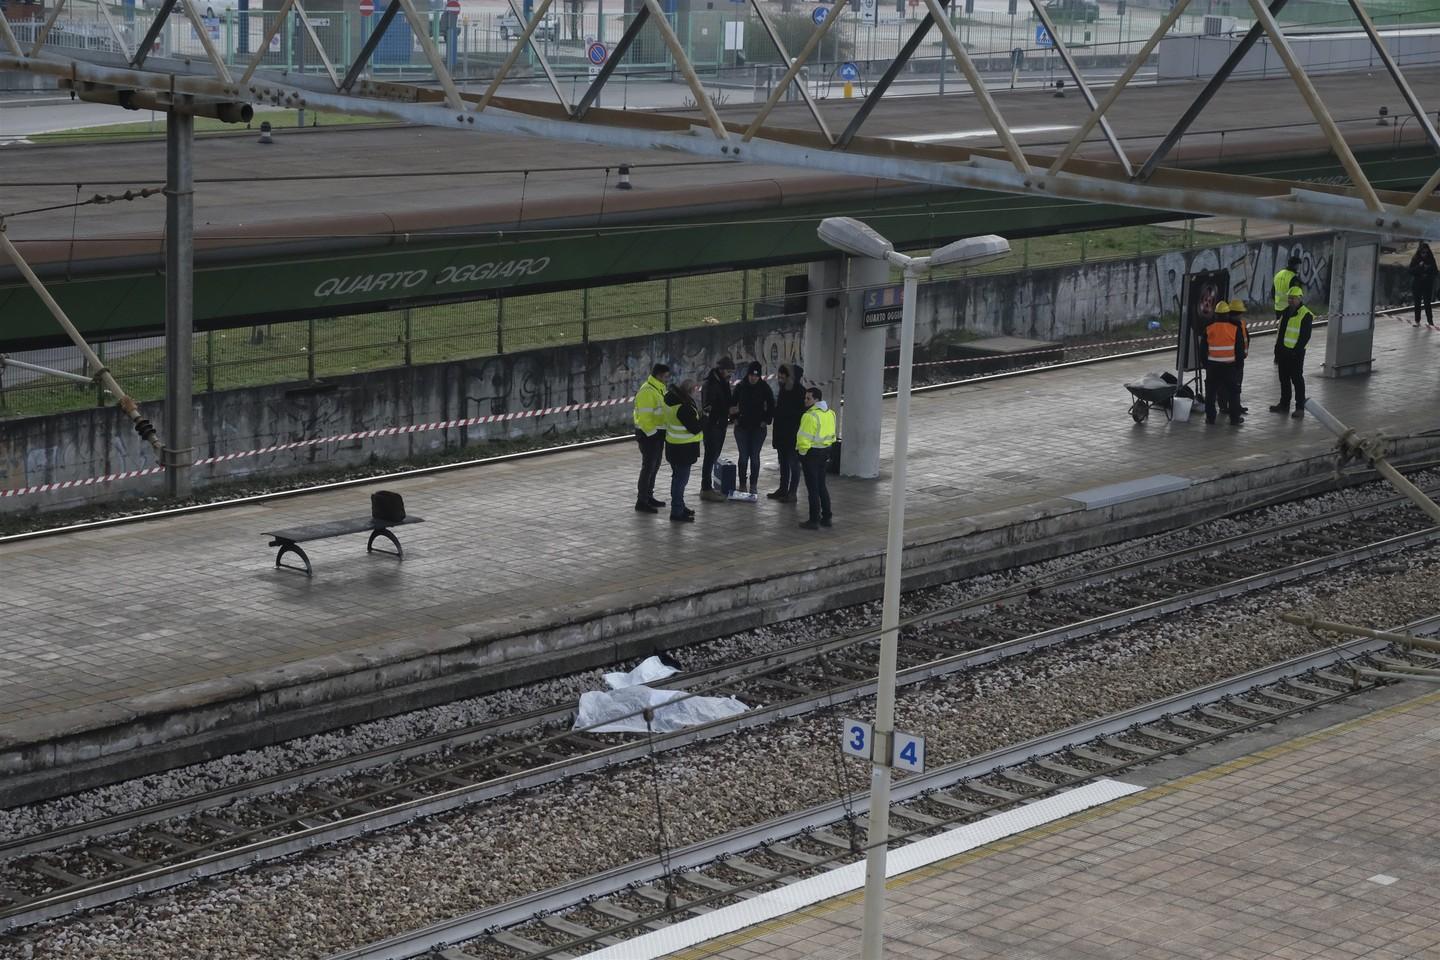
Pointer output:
179, 299
872, 943
1373, 450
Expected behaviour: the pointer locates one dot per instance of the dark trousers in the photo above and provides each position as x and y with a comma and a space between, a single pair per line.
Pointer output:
714, 443
1290, 364
1222, 384
813, 464
789, 470
679, 479
749, 441
652, 451
1421, 290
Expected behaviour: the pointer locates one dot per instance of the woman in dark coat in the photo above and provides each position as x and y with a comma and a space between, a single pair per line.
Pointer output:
683, 431
755, 408
789, 408
1422, 281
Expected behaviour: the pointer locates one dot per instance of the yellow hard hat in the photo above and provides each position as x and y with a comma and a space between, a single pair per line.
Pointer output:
1222, 307
1296, 292
1237, 306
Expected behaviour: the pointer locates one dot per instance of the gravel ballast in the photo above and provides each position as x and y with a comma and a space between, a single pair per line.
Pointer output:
365, 890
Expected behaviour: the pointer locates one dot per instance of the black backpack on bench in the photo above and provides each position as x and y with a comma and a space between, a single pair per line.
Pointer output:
387, 507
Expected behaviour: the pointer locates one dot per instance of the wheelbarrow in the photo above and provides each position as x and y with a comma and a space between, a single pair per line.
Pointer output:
1151, 398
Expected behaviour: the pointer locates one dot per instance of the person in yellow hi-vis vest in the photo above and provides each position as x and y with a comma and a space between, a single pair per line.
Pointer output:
1284, 280
683, 433
649, 419
1290, 342
812, 443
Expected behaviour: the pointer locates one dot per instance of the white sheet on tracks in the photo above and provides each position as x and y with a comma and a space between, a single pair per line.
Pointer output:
851, 877
621, 709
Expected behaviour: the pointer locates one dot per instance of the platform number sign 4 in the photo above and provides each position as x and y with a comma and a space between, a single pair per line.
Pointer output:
909, 752
855, 738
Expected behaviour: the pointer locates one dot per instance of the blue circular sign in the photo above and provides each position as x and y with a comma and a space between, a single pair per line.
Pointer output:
848, 72
819, 14
597, 53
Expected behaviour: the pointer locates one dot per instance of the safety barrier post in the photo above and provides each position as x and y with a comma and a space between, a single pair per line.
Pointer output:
409, 338
500, 324
310, 349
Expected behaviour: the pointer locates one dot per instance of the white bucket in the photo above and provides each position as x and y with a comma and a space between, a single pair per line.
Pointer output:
1180, 409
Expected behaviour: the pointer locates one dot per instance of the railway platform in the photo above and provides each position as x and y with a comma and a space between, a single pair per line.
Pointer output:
1308, 843
141, 646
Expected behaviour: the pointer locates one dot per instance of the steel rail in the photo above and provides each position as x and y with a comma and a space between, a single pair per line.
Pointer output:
749, 667
186, 867
747, 839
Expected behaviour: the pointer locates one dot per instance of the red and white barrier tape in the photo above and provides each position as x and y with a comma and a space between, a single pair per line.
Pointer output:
318, 441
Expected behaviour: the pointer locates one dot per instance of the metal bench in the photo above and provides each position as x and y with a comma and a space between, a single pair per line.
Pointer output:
289, 540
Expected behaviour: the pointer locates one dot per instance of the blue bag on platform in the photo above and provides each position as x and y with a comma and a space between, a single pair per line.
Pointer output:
723, 476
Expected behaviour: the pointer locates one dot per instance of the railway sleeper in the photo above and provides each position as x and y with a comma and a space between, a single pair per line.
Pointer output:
1033, 783
1233, 720
1250, 701
576, 930
618, 912
117, 858
958, 805
998, 793
798, 856
1165, 736
718, 886
519, 944
1204, 730
47, 869
1065, 770
745, 866
656, 895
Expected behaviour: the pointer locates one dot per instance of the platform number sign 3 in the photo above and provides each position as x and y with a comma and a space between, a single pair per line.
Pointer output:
855, 738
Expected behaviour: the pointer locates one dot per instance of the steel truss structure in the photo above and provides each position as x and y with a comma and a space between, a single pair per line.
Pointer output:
208, 87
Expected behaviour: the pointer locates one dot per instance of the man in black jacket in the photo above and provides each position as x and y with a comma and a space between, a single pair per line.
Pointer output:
789, 408
1290, 342
755, 406
717, 406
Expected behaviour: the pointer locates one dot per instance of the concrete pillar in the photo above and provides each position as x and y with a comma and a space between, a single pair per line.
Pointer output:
864, 387
1350, 335
823, 352
179, 299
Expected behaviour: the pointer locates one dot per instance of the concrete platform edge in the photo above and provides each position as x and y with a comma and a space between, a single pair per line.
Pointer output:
60, 753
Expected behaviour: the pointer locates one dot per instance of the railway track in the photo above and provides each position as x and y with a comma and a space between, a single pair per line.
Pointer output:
104, 861
612, 907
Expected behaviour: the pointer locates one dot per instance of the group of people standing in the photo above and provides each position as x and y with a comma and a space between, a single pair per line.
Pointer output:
671, 424
1227, 343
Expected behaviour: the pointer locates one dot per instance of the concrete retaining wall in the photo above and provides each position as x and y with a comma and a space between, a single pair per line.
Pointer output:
74, 446
1066, 302
1048, 303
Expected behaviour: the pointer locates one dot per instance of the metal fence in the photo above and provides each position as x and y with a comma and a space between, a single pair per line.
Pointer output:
312, 350
474, 42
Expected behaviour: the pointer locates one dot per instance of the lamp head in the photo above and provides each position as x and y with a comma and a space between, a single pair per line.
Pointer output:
854, 237
971, 251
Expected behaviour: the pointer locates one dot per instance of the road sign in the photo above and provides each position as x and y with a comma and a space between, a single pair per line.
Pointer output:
909, 752
1042, 36
884, 306
819, 14
869, 11
848, 72
367, 7
596, 53
452, 6
855, 738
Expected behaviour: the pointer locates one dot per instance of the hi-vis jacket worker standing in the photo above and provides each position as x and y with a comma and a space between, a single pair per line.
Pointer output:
1290, 342
812, 443
650, 435
1284, 280
1223, 349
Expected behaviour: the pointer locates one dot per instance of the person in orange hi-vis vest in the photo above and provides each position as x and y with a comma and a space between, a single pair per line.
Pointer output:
1223, 345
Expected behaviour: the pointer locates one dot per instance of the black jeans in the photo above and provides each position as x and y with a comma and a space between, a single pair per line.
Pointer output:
1421, 290
813, 463
1221, 383
652, 451
789, 470
1290, 364
749, 441
714, 444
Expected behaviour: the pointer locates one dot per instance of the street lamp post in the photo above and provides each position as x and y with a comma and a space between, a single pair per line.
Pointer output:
858, 239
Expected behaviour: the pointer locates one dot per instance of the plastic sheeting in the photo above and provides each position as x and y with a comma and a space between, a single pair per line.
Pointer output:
621, 709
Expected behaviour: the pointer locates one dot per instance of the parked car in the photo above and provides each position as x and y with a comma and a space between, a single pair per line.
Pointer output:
511, 26
1084, 10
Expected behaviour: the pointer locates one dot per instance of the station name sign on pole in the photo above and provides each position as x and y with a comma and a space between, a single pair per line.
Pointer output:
884, 306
